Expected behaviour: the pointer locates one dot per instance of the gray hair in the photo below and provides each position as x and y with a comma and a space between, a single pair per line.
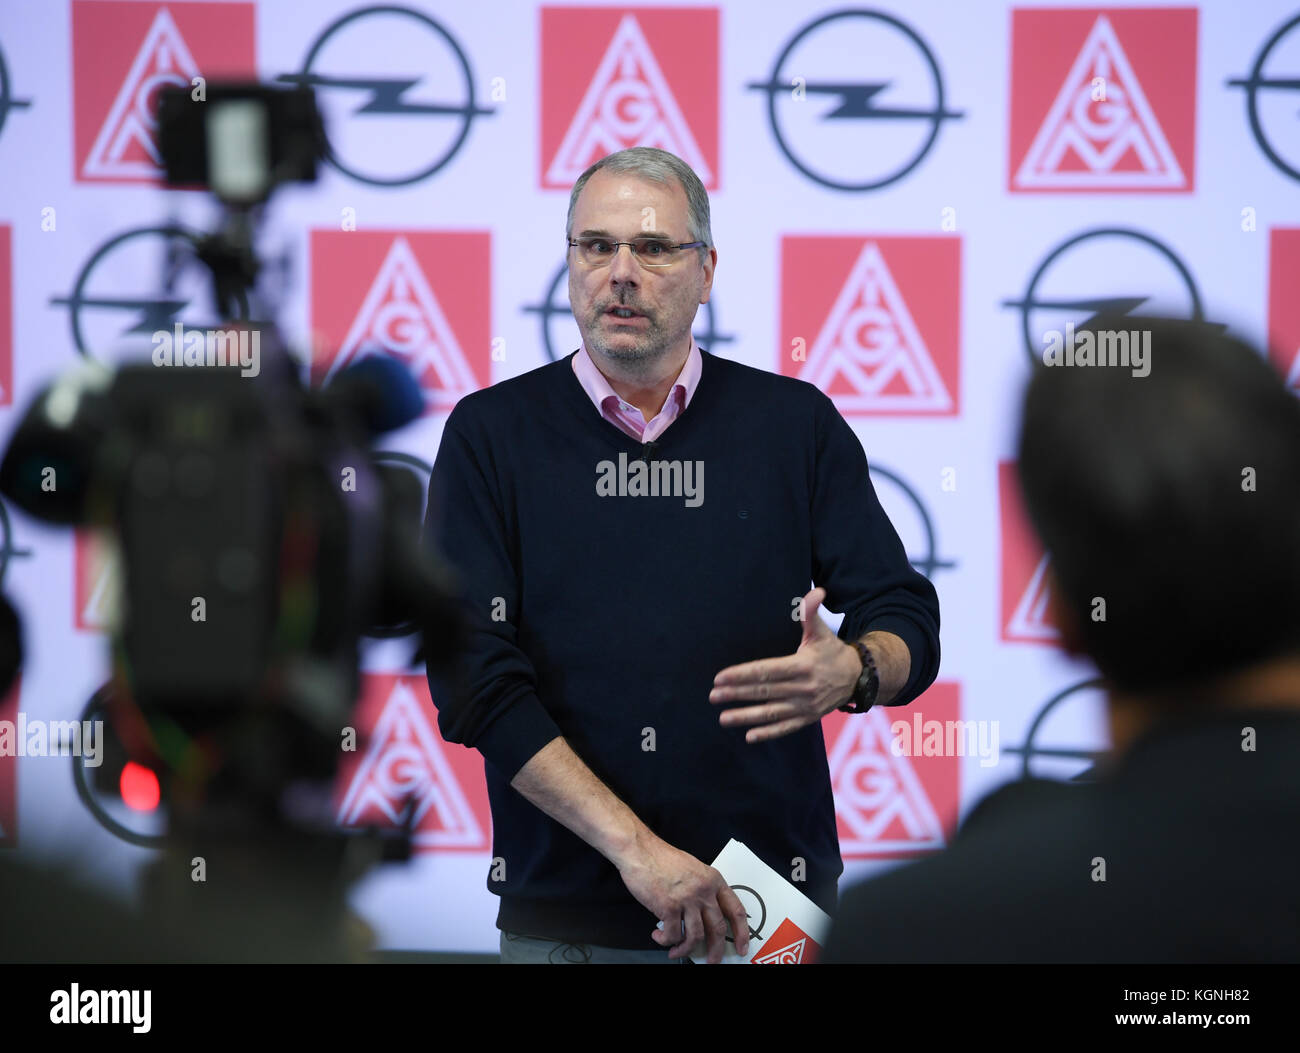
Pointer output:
658, 166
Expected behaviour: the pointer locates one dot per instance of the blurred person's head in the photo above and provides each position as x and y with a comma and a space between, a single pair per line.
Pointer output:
1168, 499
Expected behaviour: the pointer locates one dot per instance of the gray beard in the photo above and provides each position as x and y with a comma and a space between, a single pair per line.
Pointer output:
640, 359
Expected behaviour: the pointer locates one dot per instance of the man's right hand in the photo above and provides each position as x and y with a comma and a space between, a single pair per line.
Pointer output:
675, 886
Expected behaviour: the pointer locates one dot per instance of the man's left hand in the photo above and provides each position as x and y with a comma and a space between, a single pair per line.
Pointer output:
793, 691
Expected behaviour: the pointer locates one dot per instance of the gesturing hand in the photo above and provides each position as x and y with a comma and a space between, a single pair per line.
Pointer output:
795, 690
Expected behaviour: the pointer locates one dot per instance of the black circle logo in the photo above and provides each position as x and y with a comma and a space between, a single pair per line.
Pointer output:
1259, 84
556, 338
1050, 750
376, 102
8, 550
929, 560
102, 804
1078, 262
7, 101
421, 470
754, 907
120, 259
888, 100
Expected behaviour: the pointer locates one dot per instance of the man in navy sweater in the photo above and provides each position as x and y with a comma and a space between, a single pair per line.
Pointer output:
646, 670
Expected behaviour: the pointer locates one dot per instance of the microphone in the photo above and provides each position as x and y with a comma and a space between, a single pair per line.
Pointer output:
648, 450
378, 392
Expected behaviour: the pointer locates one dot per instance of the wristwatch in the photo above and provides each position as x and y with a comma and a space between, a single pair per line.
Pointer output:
868, 685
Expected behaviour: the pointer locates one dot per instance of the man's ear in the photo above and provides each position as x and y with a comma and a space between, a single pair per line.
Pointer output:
1060, 615
709, 267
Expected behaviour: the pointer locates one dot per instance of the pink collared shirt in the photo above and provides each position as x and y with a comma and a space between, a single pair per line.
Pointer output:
626, 416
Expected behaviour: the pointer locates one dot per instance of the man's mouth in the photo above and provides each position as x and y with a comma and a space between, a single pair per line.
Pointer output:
623, 313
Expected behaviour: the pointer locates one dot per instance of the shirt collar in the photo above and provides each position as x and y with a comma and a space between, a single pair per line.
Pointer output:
598, 389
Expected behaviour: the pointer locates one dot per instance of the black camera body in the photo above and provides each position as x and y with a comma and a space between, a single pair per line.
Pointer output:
259, 540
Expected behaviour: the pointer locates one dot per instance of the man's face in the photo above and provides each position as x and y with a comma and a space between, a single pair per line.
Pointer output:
622, 207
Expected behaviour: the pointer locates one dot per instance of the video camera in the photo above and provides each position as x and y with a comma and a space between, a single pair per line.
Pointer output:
259, 540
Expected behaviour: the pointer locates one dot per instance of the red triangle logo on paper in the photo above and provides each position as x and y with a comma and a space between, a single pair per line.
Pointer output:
628, 103
869, 355
127, 144
401, 317
1111, 143
404, 772
789, 945
879, 798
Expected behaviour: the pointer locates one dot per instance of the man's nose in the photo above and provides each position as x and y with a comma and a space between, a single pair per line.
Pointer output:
624, 268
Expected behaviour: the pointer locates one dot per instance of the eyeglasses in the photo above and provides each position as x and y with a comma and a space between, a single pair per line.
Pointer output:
649, 252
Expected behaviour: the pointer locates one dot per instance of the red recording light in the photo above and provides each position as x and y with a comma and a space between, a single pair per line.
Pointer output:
139, 787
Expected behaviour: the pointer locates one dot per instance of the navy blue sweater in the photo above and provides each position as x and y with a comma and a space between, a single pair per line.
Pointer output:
603, 615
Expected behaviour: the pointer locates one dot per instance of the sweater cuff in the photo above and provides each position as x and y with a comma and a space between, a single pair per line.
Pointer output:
910, 633
514, 738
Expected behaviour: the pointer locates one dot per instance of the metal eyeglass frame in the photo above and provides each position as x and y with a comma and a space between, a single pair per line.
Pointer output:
577, 242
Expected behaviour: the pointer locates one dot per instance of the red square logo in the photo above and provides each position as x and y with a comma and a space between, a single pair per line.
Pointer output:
874, 322
422, 298
1103, 100
124, 53
402, 767
1026, 615
1283, 304
895, 795
6, 317
9, 768
614, 77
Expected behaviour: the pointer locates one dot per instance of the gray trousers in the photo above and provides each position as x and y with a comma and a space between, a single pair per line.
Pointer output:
535, 950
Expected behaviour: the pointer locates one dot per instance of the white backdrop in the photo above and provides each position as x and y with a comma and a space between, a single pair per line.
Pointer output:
912, 195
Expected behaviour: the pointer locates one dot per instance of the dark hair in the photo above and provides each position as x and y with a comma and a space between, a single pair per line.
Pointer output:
1174, 497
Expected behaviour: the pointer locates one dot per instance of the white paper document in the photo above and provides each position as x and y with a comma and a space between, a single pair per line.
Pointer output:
785, 926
